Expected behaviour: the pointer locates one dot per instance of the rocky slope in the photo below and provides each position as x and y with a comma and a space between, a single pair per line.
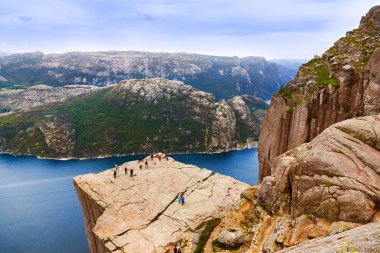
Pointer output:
318, 189
343, 83
16, 100
224, 77
142, 214
365, 238
140, 116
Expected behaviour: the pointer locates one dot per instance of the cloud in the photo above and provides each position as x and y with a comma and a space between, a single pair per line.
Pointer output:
271, 28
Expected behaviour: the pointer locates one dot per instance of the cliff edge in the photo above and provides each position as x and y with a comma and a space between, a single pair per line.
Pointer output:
142, 214
342, 84
319, 189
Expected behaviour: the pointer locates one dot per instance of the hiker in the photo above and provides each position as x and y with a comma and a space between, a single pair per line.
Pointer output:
140, 167
126, 170
175, 249
167, 158
182, 199
159, 158
178, 248
146, 164
114, 173
151, 157
131, 170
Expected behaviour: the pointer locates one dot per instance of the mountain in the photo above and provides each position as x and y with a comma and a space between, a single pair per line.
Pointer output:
342, 84
224, 77
319, 158
135, 116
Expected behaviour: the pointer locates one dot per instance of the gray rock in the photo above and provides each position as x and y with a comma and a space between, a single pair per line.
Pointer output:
231, 237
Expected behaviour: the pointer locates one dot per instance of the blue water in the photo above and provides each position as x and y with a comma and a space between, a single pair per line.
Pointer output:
40, 212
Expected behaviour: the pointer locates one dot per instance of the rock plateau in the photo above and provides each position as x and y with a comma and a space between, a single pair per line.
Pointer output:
142, 214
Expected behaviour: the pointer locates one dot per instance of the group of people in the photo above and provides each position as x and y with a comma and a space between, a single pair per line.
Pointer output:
159, 156
116, 170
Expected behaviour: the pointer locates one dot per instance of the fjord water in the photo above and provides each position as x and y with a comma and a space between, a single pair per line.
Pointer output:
39, 209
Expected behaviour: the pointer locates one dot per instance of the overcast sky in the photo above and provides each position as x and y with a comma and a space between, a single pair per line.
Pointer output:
269, 28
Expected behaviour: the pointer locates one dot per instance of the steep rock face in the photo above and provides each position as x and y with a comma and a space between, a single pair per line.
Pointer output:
344, 83
141, 116
222, 76
334, 177
142, 214
319, 189
224, 126
59, 136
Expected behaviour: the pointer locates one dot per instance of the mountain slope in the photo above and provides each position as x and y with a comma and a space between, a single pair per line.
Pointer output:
342, 84
135, 116
224, 77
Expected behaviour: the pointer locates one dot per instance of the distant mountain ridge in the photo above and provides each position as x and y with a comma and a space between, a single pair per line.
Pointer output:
135, 116
224, 77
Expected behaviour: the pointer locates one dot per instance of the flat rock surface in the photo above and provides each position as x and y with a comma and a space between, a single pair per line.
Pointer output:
142, 214
365, 238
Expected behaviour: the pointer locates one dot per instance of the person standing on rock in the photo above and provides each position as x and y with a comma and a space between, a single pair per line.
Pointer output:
140, 167
151, 157
126, 170
146, 164
131, 171
178, 248
182, 199
114, 173
175, 249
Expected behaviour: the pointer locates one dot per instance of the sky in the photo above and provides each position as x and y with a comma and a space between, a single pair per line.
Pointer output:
275, 29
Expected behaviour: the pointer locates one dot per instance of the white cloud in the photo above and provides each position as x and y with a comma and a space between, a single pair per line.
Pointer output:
271, 28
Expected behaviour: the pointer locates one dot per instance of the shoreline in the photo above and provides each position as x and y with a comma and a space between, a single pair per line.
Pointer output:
131, 154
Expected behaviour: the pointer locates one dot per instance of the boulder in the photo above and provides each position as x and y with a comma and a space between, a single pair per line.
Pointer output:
231, 237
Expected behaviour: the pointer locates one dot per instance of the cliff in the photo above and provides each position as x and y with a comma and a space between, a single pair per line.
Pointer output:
142, 214
319, 189
342, 84
135, 116
223, 77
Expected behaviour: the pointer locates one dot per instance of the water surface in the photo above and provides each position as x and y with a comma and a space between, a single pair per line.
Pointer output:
39, 209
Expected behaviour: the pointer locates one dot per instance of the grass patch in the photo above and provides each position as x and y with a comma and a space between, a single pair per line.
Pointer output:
323, 77
209, 227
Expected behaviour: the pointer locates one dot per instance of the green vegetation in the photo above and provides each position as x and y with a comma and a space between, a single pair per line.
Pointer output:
108, 123
319, 69
323, 77
209, 227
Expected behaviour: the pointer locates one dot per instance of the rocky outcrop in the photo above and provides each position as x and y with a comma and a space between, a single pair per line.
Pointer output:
221, 76
142, 214
58, 135
342, 84
319, 189
365, 238
334, 177
30, 98
135, 116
